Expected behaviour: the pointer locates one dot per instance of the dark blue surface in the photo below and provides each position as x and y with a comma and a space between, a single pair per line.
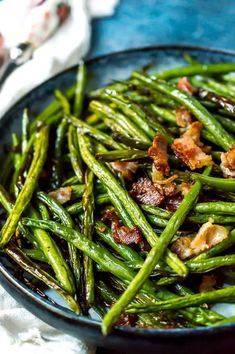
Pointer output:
146, 22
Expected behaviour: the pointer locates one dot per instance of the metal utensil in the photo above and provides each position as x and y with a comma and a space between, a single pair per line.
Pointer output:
43, 22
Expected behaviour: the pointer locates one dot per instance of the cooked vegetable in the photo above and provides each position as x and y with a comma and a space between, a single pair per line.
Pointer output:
125, 197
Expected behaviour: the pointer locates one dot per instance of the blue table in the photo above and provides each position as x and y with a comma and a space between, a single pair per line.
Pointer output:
148, 22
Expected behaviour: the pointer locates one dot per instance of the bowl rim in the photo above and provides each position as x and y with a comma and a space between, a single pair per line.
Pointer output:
58, 310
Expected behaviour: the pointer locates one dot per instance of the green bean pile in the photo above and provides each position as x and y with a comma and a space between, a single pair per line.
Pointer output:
70, 217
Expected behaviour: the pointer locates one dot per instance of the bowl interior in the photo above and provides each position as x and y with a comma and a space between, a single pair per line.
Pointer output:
101, 71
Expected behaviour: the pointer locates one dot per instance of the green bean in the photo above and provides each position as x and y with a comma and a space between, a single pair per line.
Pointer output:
77, 190
196, 315
25, 129
76, 208
17, 255
74, 153
35, 254
133, 143
208, 264
54, 256
221, 295
218, 89
119, 86
109, 296
15, 145
98, 253
70, 181
158, 221
227, 123
152, 258
57, 167
79, 89
130, 110
197, 69
121, 155
27, 191
88, 204
66, 220
164, 113
95, 133
228, 320
5, 200
161, 213
126, 123
209, 137
223, 138
51, 109
111, 264
131, 207
22, 165
218, 219
43, 210
215, 182
216, 208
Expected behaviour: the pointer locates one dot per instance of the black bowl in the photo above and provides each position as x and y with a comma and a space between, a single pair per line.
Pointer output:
102, 71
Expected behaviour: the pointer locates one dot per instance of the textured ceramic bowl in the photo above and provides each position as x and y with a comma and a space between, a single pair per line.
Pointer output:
102, 71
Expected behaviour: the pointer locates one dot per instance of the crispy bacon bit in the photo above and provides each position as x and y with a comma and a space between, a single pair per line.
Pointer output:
127, 168
145, 246
184, 84
182, 247
183, 117
122, 234
127, 320
173, 202
62, 195
193, 131
208, 236
144, 191
228, 162
208, 283
191, 154
158, 151
184, 188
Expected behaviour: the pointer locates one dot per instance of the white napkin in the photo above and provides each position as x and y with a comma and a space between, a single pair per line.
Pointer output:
20, 331
62, 50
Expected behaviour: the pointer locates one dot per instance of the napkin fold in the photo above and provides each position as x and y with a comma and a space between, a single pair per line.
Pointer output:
63, 50
20, 331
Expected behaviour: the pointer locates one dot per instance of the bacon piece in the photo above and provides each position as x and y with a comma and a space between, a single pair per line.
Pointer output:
144, 191
184, 188
228, 162
184, 84
208, 283
123, 234
182, 247
127, 168
208, 236
173, 202
158, 151
183, 117
190, 153
193, 131
128, 320
62, 195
